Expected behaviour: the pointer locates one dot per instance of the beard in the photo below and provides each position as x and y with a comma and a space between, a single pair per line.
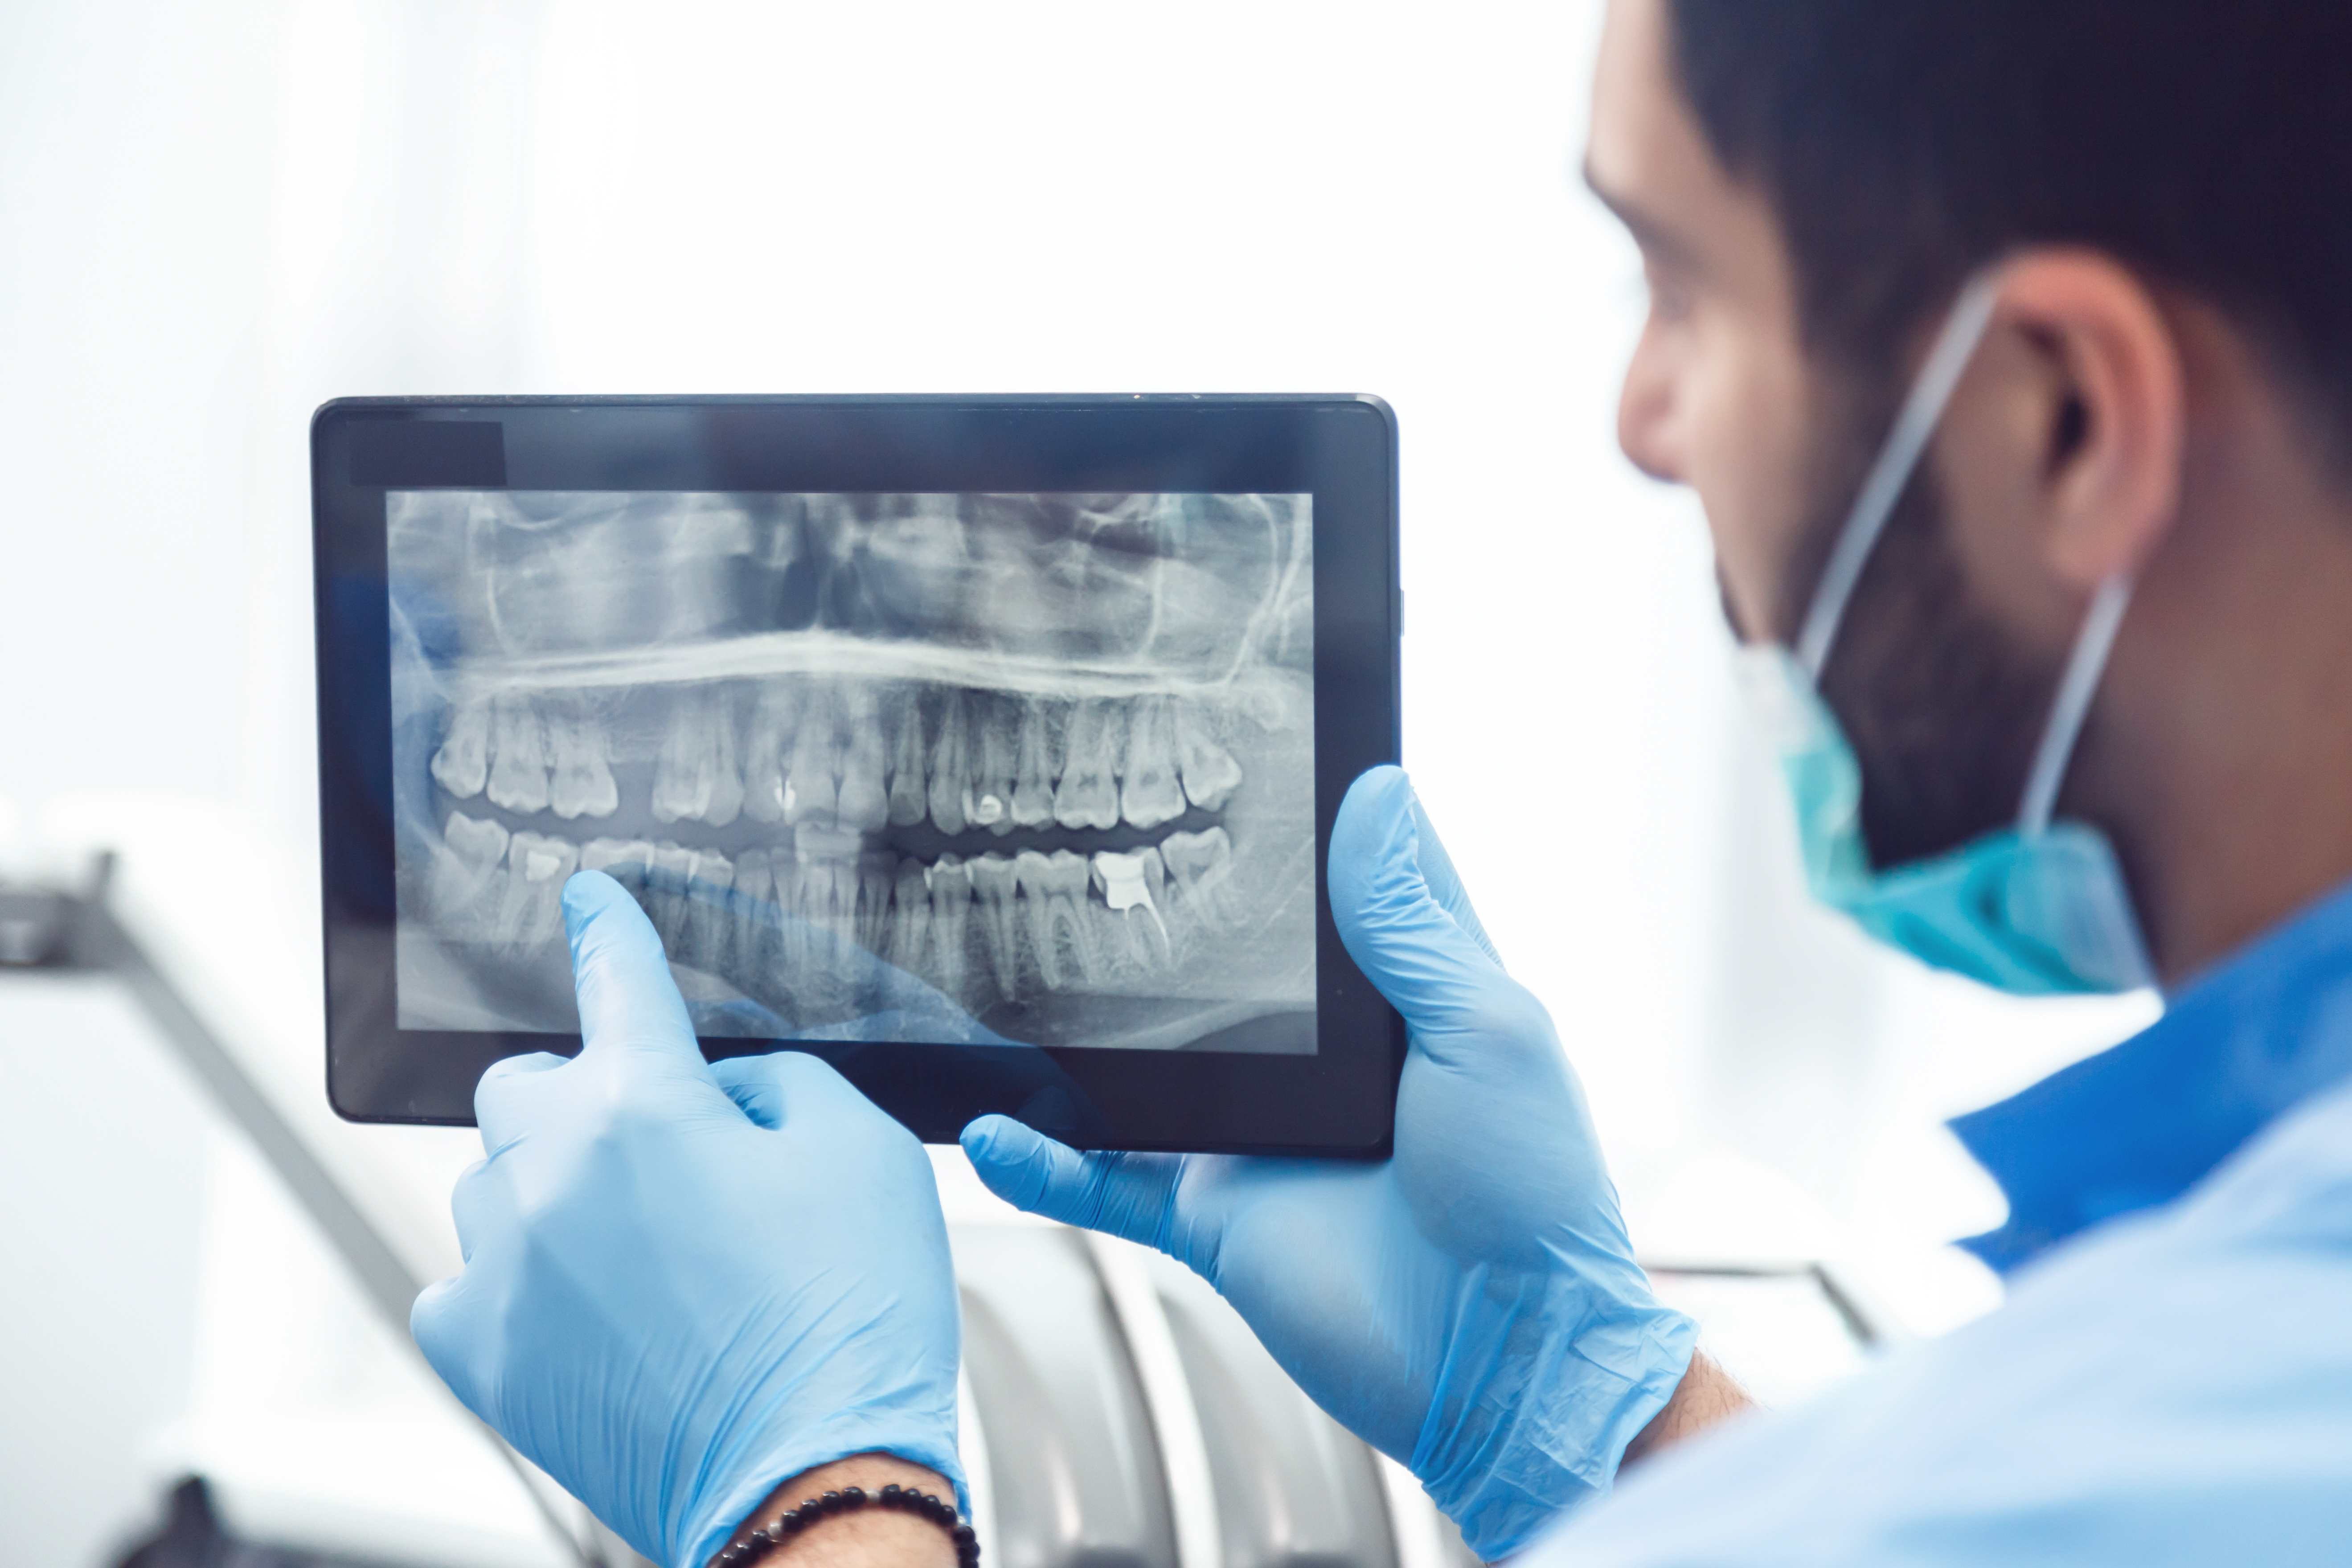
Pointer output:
1942, 707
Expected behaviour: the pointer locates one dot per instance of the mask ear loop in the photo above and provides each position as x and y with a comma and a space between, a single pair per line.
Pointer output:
1955, 346
2071, 706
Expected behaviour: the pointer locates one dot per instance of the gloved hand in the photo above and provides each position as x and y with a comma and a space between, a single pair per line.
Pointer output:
1471, 1306
686, 1283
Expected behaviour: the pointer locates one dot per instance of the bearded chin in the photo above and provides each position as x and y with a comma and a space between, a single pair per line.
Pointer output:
1943, 709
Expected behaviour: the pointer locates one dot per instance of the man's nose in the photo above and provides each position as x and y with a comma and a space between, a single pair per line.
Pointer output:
1645, 407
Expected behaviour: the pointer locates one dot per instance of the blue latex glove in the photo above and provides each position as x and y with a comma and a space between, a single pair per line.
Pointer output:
687, 1283
1471, 1307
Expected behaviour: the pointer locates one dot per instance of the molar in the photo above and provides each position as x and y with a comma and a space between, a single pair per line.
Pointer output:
463, 874
462, 765
696, 775
582, 781
864, 804
993, 882
1053, 888
1129, 883
519, 774
1089, 792
949, 768
1150, 795
606, 854
1211, 775
533, 910
1200, 864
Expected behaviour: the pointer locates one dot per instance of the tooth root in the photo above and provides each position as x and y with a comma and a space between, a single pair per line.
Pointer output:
910, 921
1089, 792
726, 770
1150, 795
907, 795
683, 769
1201, 865
669, 870
581, 781
993, 891
1033, 773
812, 783
950, 764
877, 873
989, 802
950, 885
763, 755
790, 947
706, 925
462, 765
1210, 772
755, 897
864, 802
1029, 878
519, 772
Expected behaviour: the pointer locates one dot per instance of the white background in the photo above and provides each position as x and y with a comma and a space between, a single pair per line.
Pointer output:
215, 216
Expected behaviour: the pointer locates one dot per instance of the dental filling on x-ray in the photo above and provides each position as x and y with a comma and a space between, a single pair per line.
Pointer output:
954, 768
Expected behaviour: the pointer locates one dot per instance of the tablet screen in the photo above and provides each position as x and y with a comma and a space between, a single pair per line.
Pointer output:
956, 768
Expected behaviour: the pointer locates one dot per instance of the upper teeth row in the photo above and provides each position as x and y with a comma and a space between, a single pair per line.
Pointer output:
855, 756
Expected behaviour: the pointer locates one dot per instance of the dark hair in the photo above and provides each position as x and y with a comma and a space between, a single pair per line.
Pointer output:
2205, 143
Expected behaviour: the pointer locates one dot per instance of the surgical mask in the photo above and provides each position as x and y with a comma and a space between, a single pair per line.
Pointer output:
2039, 908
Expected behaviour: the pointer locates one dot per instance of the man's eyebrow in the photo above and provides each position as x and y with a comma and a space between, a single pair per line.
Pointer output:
1658, 240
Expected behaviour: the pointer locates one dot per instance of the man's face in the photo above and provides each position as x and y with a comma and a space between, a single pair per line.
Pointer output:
1718, 395
1940, 705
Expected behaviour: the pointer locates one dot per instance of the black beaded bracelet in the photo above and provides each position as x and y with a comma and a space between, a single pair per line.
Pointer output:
792, 1520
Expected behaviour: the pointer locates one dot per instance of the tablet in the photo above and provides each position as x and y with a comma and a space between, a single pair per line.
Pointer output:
987, 748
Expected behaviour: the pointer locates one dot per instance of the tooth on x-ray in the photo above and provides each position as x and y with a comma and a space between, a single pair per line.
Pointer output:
518, 761
1047, 759
462, 765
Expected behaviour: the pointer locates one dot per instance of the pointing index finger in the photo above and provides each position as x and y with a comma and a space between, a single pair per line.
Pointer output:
627, 1000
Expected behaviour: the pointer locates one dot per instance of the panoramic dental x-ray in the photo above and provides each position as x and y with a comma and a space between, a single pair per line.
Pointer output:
955, 768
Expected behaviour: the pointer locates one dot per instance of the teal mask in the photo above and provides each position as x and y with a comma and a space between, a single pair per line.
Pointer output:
2039, 908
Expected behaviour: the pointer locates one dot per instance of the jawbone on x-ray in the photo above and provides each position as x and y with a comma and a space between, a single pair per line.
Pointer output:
949, 768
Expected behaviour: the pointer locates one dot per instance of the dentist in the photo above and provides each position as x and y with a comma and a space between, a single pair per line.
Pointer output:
2008, 346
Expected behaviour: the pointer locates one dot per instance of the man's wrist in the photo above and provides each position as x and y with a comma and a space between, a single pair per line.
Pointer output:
1705, 1395
855, 1538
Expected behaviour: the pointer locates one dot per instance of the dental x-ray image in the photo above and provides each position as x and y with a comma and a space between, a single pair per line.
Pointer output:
955, 768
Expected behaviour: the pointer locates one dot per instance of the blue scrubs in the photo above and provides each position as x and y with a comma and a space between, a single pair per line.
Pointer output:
2170, 1381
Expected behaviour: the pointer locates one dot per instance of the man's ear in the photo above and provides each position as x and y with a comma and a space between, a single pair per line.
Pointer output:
2112, 416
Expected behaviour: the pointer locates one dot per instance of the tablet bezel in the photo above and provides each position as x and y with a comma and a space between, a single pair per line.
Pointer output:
1342, 449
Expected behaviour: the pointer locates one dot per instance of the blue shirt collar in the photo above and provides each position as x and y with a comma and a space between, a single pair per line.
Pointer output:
2138, 1125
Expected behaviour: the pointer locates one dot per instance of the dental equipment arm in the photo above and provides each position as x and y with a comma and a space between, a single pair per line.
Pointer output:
687, 1283
1471, 1306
